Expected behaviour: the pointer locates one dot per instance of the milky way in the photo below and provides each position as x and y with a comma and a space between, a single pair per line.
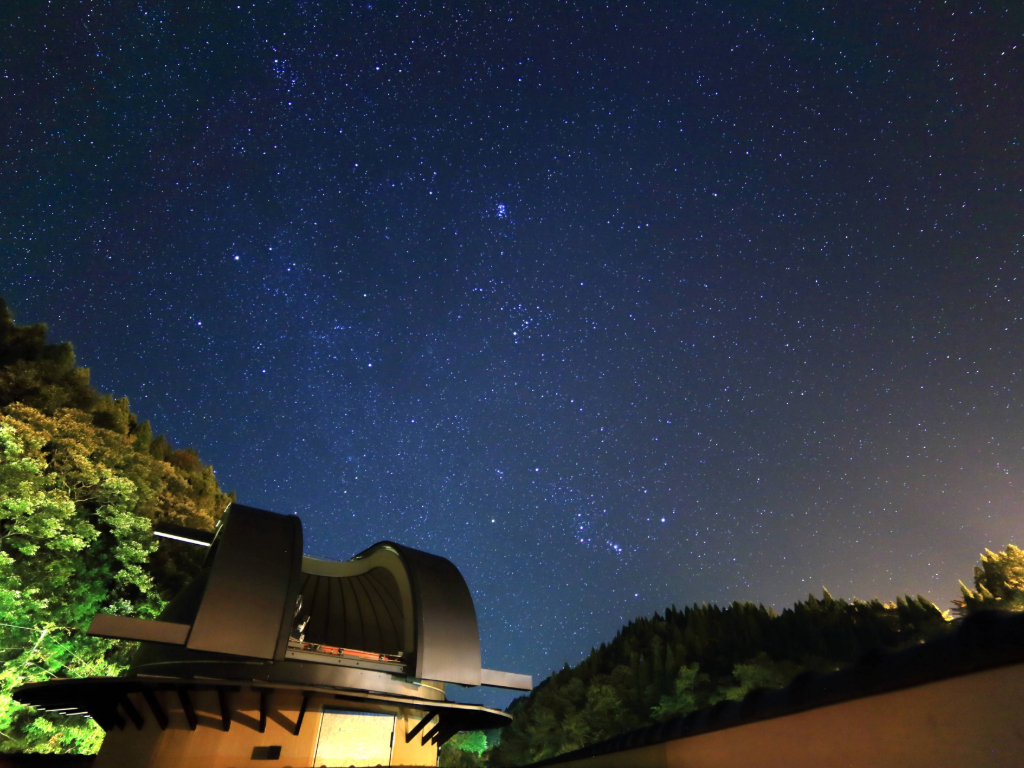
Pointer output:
615, 307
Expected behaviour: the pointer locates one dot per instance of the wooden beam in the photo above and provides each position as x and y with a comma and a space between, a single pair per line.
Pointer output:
155, 708
186, 705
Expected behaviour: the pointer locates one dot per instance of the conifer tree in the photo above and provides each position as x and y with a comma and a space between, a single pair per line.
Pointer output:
998, 582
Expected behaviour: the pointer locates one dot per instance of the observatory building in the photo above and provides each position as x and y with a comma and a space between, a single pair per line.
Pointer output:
272, 658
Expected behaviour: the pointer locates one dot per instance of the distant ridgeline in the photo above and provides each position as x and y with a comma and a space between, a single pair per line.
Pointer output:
81, 482
662, 667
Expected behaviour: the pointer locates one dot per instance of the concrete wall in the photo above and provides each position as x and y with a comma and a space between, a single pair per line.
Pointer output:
210, 746
973, 720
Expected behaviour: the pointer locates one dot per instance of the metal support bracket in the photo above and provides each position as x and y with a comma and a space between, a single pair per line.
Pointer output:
154, 706
225, 709
432, 735
302, 713
130, 710
431, 714
186, 705
264, 696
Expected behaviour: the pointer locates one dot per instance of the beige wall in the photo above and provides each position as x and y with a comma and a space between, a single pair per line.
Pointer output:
414, 752
209, 746
974, 720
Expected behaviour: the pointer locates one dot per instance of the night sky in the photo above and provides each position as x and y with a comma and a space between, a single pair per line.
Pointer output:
614, 306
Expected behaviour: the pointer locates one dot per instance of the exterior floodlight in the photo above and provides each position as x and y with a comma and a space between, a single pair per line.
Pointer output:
181, 533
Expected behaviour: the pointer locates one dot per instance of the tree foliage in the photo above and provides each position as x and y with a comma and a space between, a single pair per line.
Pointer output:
998, 582
667, 666
463, 750
81, 483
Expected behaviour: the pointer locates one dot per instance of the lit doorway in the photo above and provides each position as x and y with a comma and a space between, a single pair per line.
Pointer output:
354, 738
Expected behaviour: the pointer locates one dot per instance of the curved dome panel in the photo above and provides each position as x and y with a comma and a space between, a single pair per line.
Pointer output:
362, 612
447, 635
355, 600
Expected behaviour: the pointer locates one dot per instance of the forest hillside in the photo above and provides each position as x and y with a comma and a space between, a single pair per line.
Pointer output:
82, 481
670, 665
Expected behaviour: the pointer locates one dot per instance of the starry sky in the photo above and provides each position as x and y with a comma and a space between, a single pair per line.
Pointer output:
614, 305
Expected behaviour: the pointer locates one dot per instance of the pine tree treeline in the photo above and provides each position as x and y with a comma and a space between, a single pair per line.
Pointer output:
661, 667
82, 480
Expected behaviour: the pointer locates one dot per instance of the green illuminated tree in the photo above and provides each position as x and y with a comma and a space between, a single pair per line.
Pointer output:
463, 750
81, 482
68, 547
759, 672
685, 698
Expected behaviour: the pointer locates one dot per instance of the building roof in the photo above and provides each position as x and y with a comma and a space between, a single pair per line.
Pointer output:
388, 624
259, 598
